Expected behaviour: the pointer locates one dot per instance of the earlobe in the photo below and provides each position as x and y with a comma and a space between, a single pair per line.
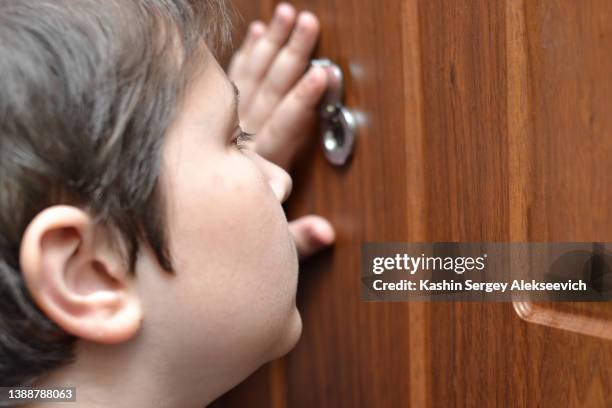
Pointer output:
77, 277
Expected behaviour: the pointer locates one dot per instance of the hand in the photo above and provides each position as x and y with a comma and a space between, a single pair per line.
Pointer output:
278, 100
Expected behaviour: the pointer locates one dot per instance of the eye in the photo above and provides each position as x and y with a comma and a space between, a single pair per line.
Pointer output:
241, 138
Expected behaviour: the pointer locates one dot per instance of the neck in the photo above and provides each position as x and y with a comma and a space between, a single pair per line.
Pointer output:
123, 376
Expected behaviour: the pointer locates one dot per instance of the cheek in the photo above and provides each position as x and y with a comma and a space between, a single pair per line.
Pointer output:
229, 207
236, 264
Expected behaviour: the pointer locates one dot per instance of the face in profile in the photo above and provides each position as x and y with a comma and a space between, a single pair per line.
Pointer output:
230, 305
231, 302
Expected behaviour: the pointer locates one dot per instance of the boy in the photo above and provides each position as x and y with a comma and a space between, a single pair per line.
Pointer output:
146, 259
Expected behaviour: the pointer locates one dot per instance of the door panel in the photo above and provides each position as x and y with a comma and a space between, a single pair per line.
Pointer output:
482, 121
560, 98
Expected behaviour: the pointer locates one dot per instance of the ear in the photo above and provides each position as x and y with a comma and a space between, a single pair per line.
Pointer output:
77, 277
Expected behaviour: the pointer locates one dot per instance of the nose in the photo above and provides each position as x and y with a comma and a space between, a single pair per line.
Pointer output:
278, 179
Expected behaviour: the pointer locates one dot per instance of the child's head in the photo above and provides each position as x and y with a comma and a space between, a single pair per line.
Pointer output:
129, 216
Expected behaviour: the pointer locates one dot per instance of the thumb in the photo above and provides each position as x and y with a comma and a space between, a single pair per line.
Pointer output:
310, 234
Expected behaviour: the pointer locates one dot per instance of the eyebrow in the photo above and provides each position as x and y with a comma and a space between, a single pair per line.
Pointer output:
235, 101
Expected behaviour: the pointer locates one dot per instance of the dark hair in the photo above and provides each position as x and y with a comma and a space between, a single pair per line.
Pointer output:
88, 89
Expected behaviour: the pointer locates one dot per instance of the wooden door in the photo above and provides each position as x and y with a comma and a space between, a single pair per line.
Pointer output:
484, 121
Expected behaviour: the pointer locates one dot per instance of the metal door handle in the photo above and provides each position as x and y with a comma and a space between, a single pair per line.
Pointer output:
338, 124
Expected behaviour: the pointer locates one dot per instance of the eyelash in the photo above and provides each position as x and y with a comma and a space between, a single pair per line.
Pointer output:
242, 137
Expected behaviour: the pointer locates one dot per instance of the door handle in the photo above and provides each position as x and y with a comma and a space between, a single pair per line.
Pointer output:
338, 124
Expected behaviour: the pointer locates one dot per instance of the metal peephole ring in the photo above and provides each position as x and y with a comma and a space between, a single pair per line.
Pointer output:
338, 124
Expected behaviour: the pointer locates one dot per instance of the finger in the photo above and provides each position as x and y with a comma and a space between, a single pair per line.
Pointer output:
283, 135
264, 50
284, 72
310, 234
239, 64
256, 31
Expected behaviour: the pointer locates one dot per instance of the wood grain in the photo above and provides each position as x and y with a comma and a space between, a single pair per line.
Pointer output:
483, 121
549, 148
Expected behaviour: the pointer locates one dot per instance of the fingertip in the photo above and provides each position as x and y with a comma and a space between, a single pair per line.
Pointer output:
307, 21
284, 12
257, 28
315, 83
255, 32
319, 230
311, 233
317, 74
324, 232
281, 24
311, 87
